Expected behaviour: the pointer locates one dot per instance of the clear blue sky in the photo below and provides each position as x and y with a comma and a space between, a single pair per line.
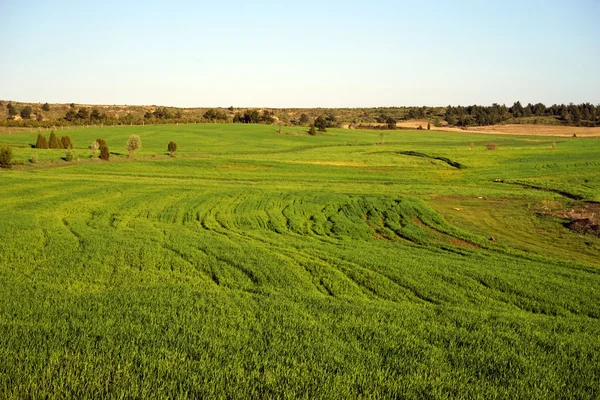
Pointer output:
300, 54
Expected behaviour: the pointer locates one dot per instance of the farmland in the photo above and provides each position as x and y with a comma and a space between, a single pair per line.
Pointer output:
282, 265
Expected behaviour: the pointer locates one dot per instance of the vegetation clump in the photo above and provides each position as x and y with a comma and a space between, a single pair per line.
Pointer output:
172, 148
42, 142
6, 156
104, 152
53, 142
134, 143
66, 142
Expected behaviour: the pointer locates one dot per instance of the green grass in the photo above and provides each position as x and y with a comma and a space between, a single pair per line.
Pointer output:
287, 266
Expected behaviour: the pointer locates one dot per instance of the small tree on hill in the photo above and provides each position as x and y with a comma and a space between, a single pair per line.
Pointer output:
312, 131
104, 153
134, 143
53, 142
46, 107
172, 148
12, 110
303, 119
42, 142
26, 112
6, 156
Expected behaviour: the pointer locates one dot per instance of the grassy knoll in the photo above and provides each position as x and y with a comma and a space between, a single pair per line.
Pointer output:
255, 264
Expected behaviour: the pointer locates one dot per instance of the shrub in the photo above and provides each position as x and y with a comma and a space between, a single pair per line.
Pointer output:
66, 142
26, 112
34, 158
101, 142
312, 131
172, 148
41, 142
491, 146
94, 148
46, 107
69, 156
6, 156
104, 153
53, 142
428, 126
134, 143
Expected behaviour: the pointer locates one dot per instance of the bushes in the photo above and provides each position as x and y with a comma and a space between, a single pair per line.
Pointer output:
172, 148
94, 148
491, 146
6, 156
41, 142
69, 156
53, 142
312, 131
134, 143
104, 153
66, 142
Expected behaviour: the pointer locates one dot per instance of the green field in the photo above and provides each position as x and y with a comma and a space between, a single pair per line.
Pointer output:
260, 265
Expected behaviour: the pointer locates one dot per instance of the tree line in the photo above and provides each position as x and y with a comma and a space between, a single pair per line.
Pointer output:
585, 114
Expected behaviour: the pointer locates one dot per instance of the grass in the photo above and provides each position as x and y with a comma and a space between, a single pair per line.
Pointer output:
279, 266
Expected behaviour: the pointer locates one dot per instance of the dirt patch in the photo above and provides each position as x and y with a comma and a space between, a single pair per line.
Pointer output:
585, 226
581, 218
512, 129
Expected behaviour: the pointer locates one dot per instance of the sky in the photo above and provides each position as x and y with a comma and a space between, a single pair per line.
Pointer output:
300, 54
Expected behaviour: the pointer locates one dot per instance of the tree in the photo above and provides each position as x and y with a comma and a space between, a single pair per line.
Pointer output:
104, 153
172, 148
428, 126
134, 143
70, 115
215, 115
391, 122
303, 119
46, 107
42, 142
83, 113
312, 131
53, 142
6, 156
267, 117
95, 114
66, 142
12, 110
321, 123
251, 117
26, 112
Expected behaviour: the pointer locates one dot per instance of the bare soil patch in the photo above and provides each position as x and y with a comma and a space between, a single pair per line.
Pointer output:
511, 129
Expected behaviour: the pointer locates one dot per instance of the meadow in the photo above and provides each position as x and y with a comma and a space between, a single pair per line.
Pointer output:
258, 264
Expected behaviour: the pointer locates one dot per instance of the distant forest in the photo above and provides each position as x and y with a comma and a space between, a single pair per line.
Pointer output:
573, 114
35, 115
